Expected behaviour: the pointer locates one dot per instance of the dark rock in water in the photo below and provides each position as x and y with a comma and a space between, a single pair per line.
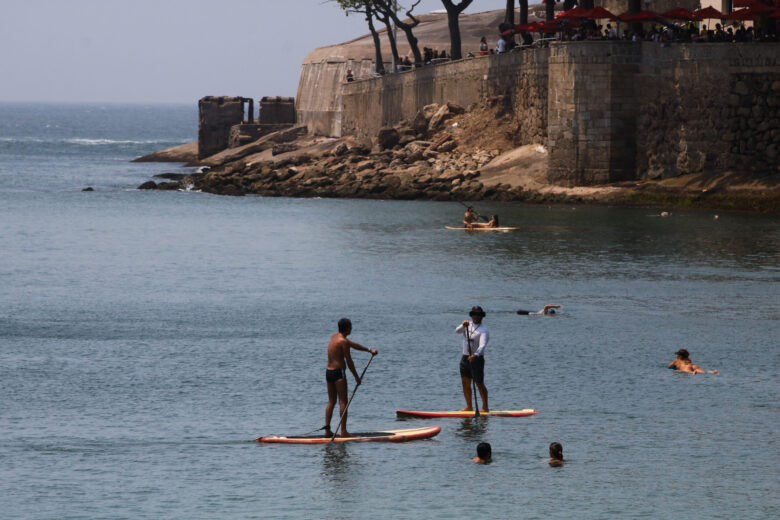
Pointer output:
171, 176
88, 188
168, 186
148, 185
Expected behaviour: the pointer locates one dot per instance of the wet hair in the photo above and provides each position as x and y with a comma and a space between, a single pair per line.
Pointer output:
484, 451
495, 219
683, 353
550, 311
556, 451
344, 325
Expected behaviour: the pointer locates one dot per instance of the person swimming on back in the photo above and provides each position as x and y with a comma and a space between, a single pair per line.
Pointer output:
556, 455
548, 309
683, 363
484, 453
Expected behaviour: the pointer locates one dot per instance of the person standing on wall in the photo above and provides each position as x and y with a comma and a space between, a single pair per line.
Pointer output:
472, 362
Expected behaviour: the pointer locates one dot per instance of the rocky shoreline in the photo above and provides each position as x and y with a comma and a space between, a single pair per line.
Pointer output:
445, 153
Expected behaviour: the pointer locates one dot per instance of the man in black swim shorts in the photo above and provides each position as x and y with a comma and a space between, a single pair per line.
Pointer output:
336, 375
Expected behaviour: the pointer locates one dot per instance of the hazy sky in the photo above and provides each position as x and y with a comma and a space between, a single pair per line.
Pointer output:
167, 50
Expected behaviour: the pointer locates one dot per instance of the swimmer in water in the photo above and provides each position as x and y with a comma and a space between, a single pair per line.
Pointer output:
683, 363
556, 455
548, 310
484, 453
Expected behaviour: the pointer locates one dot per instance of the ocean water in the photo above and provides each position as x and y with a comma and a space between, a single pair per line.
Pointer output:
147, 338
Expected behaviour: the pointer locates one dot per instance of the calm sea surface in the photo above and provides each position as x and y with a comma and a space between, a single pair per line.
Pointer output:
146, 338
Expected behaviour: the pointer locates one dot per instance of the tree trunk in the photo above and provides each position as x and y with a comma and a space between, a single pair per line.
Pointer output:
587, 4
455, 46
634, 6
523, 12
390, 37
509, 13
549, 6
453, 14
384, 7
380, 64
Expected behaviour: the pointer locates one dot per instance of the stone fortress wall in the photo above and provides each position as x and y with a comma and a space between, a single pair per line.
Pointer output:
606, 110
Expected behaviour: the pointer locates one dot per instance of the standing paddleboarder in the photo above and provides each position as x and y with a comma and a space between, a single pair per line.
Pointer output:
472, 362
336, 375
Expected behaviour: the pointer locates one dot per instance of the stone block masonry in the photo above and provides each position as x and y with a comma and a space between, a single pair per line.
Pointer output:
217, 114
606, 110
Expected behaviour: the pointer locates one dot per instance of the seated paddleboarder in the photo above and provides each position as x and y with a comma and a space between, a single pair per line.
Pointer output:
683, 363
492, 223
339, 359
556, 455
547, 310
484, 453
470, 216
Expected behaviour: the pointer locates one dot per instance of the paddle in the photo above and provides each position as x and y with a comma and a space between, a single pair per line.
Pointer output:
336, 430
473, 383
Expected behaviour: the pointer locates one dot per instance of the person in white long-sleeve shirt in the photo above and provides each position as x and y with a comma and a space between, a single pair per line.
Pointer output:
472, 362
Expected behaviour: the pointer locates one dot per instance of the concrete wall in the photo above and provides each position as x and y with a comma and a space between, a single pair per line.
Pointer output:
216, 116
708, 107
592, 110
318, 100
606, 110
371, 104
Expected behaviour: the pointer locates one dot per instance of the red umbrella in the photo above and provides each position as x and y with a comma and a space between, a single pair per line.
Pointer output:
759, 8
753, 12
775, 15
708, 13
599, 13
641, 16
577, 12
742, 15
532, 27
550, 27
679, 14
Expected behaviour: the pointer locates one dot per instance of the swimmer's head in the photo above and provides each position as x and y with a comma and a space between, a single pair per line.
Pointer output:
484, 451
550, 311
682, 354
345, 326
556, 451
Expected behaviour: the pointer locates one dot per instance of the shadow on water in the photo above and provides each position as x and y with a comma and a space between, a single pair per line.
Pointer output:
472, 428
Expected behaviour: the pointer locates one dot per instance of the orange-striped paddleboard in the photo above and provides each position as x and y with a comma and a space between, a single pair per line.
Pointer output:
458, 413
411, 434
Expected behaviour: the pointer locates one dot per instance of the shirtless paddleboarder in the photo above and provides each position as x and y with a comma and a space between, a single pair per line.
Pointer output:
339, 359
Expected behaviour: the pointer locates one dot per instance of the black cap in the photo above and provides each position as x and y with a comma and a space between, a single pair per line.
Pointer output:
682, 353
477, 311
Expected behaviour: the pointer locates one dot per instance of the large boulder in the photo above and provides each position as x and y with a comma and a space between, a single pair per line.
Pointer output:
441, 115
387, 138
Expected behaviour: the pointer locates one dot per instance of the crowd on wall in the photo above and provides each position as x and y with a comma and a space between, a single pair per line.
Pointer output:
577, 27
